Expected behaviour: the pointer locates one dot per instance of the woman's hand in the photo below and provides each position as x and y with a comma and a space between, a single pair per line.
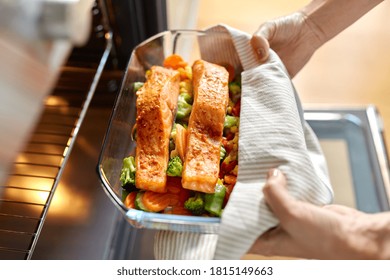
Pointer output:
297, 36
329, 232
292, 37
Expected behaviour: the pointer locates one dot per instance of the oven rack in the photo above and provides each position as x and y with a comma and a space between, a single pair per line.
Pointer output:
29, 190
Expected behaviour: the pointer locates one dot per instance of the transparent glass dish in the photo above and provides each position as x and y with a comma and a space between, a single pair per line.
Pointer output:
191, 45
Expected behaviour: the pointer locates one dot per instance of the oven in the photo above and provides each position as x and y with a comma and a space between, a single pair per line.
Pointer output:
43, 180
53, 206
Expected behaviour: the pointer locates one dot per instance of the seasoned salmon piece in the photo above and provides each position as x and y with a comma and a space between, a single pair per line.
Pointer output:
205, 127
156, 106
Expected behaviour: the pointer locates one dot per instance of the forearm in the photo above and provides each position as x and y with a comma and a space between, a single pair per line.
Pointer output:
329, 17
381, 225
369, 236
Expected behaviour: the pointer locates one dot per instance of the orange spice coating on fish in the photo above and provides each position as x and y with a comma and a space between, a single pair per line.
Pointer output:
156, 106
205, 128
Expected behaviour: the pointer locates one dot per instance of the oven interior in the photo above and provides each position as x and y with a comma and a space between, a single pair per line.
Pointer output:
53, 205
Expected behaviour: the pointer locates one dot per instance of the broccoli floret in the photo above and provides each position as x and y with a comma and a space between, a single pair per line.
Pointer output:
128, 171
175, 167
195, 204
230, 121
184, 106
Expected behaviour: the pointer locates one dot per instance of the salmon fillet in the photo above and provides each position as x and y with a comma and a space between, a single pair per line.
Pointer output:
156, 105
205, 127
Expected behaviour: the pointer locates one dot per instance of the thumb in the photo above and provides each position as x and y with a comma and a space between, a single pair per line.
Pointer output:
277, 196
260, 40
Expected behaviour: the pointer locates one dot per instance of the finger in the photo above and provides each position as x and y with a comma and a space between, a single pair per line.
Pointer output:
292, 214
260, 40
261, 47
276, 195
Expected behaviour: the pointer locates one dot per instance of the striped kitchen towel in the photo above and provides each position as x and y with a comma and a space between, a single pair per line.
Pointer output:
273, 134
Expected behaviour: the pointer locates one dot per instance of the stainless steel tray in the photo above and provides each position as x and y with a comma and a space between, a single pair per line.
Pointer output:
361, 129
118, 143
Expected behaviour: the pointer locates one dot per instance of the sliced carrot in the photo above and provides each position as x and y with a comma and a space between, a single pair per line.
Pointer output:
174, 61
230, 179
174, 200
174, 184
130, 200
181, 141
184, 195
175, 188
156, 202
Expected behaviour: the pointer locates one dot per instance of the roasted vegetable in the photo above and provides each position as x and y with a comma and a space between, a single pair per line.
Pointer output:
230, 121
174, 61
222, 153
186, 85
139, 202
137, 86
196, 204
128, 171
184, 106
181, 141
235, 91
130, 200
157, 202
214, 201
175, 167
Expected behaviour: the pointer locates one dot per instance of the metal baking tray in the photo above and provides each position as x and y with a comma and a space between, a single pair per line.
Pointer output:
118, 143
361, 129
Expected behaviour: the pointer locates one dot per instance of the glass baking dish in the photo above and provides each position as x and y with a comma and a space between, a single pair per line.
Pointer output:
191, 45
